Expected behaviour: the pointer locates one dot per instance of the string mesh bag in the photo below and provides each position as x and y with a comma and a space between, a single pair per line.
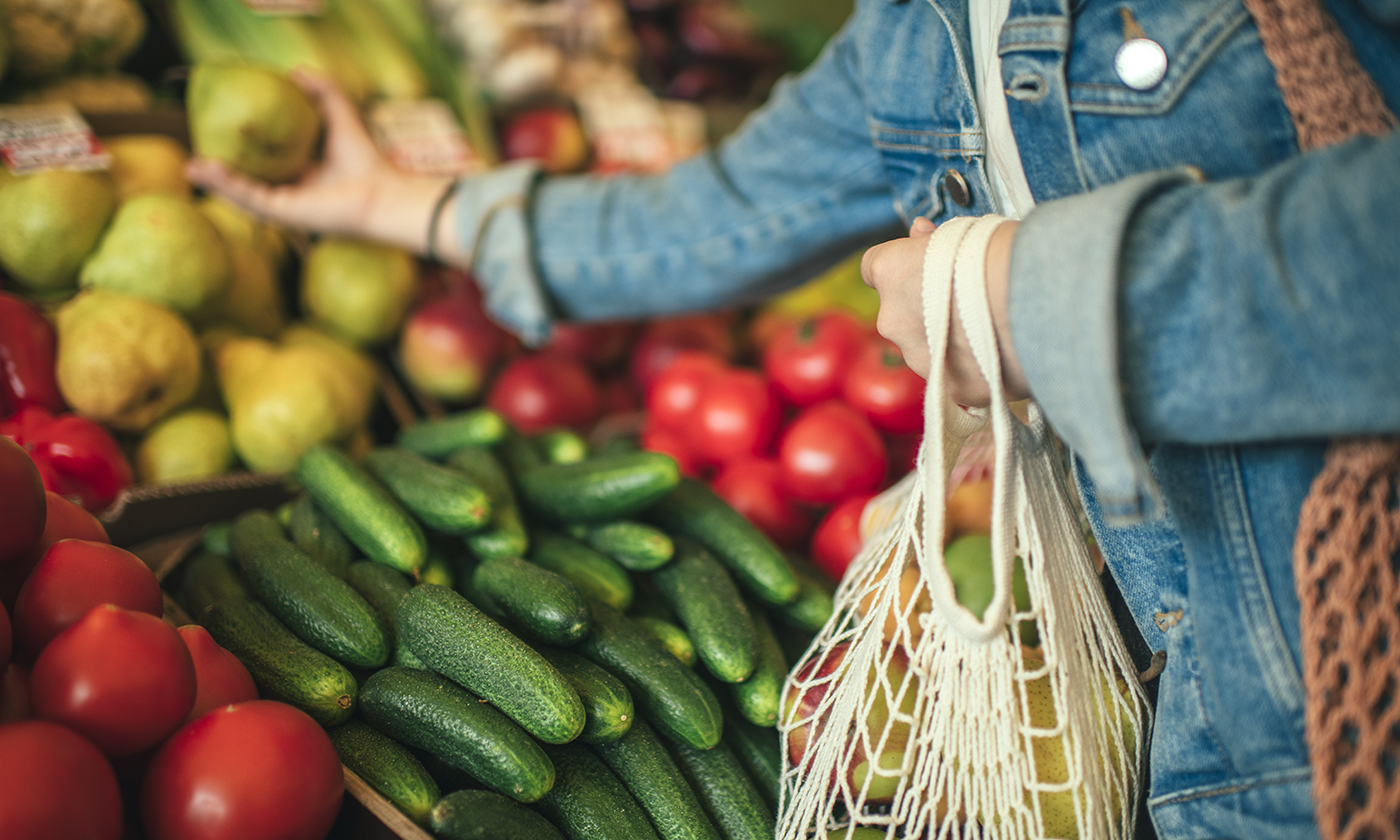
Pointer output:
910, 716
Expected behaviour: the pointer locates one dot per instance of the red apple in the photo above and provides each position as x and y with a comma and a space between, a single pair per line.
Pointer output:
891, 737
549, 134
449, 347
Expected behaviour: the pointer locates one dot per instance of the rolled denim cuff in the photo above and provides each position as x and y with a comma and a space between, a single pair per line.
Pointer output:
493, 228
1064, 287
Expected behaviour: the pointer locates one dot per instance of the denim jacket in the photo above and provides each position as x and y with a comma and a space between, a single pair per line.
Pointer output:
1198, 307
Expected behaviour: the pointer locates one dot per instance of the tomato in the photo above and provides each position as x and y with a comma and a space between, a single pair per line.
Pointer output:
675, 391
884, 389
22, 498
122, 679
806, 359
601, 346
736, 415
836, 540
55, 784
829, 452
661, 439
63, 520
540, 390
753, 486
73, 577
220, 679
661, 339
14, 694
259, 770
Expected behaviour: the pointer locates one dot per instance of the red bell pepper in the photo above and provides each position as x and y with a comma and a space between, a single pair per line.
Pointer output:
28, 344
75, 456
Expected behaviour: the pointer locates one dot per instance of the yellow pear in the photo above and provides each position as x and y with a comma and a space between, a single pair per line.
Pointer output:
124, 360
143, 163
354, 363
252, 300
358, 291
238, 362
49, 223
253, 118
297, 402
188, 445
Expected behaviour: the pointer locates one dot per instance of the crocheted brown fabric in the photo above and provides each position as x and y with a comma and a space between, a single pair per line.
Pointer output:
1347, 573
1330, 95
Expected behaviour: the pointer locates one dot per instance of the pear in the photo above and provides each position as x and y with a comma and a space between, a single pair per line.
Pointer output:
143, 163
252, 118
124, 360
161, 247
49, 223
252, 300
190, 444
358, 291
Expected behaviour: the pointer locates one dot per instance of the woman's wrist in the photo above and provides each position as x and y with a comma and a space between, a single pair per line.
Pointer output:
401, 209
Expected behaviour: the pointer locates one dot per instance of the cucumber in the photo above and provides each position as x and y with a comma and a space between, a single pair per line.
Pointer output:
504, 533
814, 605
486, 815
599, 489
640, 760
606, 701
695, 511
284, 667
324, 610
428, 711
440, 437
438, 568
636, 546
459, 641
546, 605
670, 635
382, 588
518, 454
562, 446
596, 575
387, 766
700, 591
206, 579
251, 528
759, 698
215, 537
405, 658
589, 802
671, 696
442, 498
759, 750
730, 797
315, 533
364, 511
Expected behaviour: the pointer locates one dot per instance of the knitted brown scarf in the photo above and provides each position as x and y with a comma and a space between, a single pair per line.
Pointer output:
1346, 554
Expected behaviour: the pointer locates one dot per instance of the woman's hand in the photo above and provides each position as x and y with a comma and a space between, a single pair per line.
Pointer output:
353, 191
895, 269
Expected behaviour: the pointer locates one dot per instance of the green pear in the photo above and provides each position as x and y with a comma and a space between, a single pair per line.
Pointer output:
188, 445
252, 300
124, 360
252, 118
143, 163
159, 246
49, 223
358, 291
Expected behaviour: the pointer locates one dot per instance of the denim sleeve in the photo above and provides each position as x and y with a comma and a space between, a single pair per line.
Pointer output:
1163, 309
797, 188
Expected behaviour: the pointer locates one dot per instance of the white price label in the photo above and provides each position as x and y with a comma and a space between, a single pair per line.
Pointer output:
422, 136
286, 7
37, 137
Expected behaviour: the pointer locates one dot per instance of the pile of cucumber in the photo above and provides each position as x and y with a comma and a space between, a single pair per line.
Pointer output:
515, 636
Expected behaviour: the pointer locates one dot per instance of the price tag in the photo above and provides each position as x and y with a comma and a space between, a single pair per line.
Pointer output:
633, 131
49, 136
422, 136
286, 7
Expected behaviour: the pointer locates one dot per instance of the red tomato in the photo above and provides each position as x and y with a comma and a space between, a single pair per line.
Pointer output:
14, 694
22, 498
836, 541
55, 784
122, 679
830, 452
259, 770
64, 520
737, 415
884, 389
540, 390
675, 391
73, 577
220, 679
753, 486
806, 359
660, 439
660, 340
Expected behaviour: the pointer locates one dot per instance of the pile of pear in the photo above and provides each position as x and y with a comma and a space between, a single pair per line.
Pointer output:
208, 339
